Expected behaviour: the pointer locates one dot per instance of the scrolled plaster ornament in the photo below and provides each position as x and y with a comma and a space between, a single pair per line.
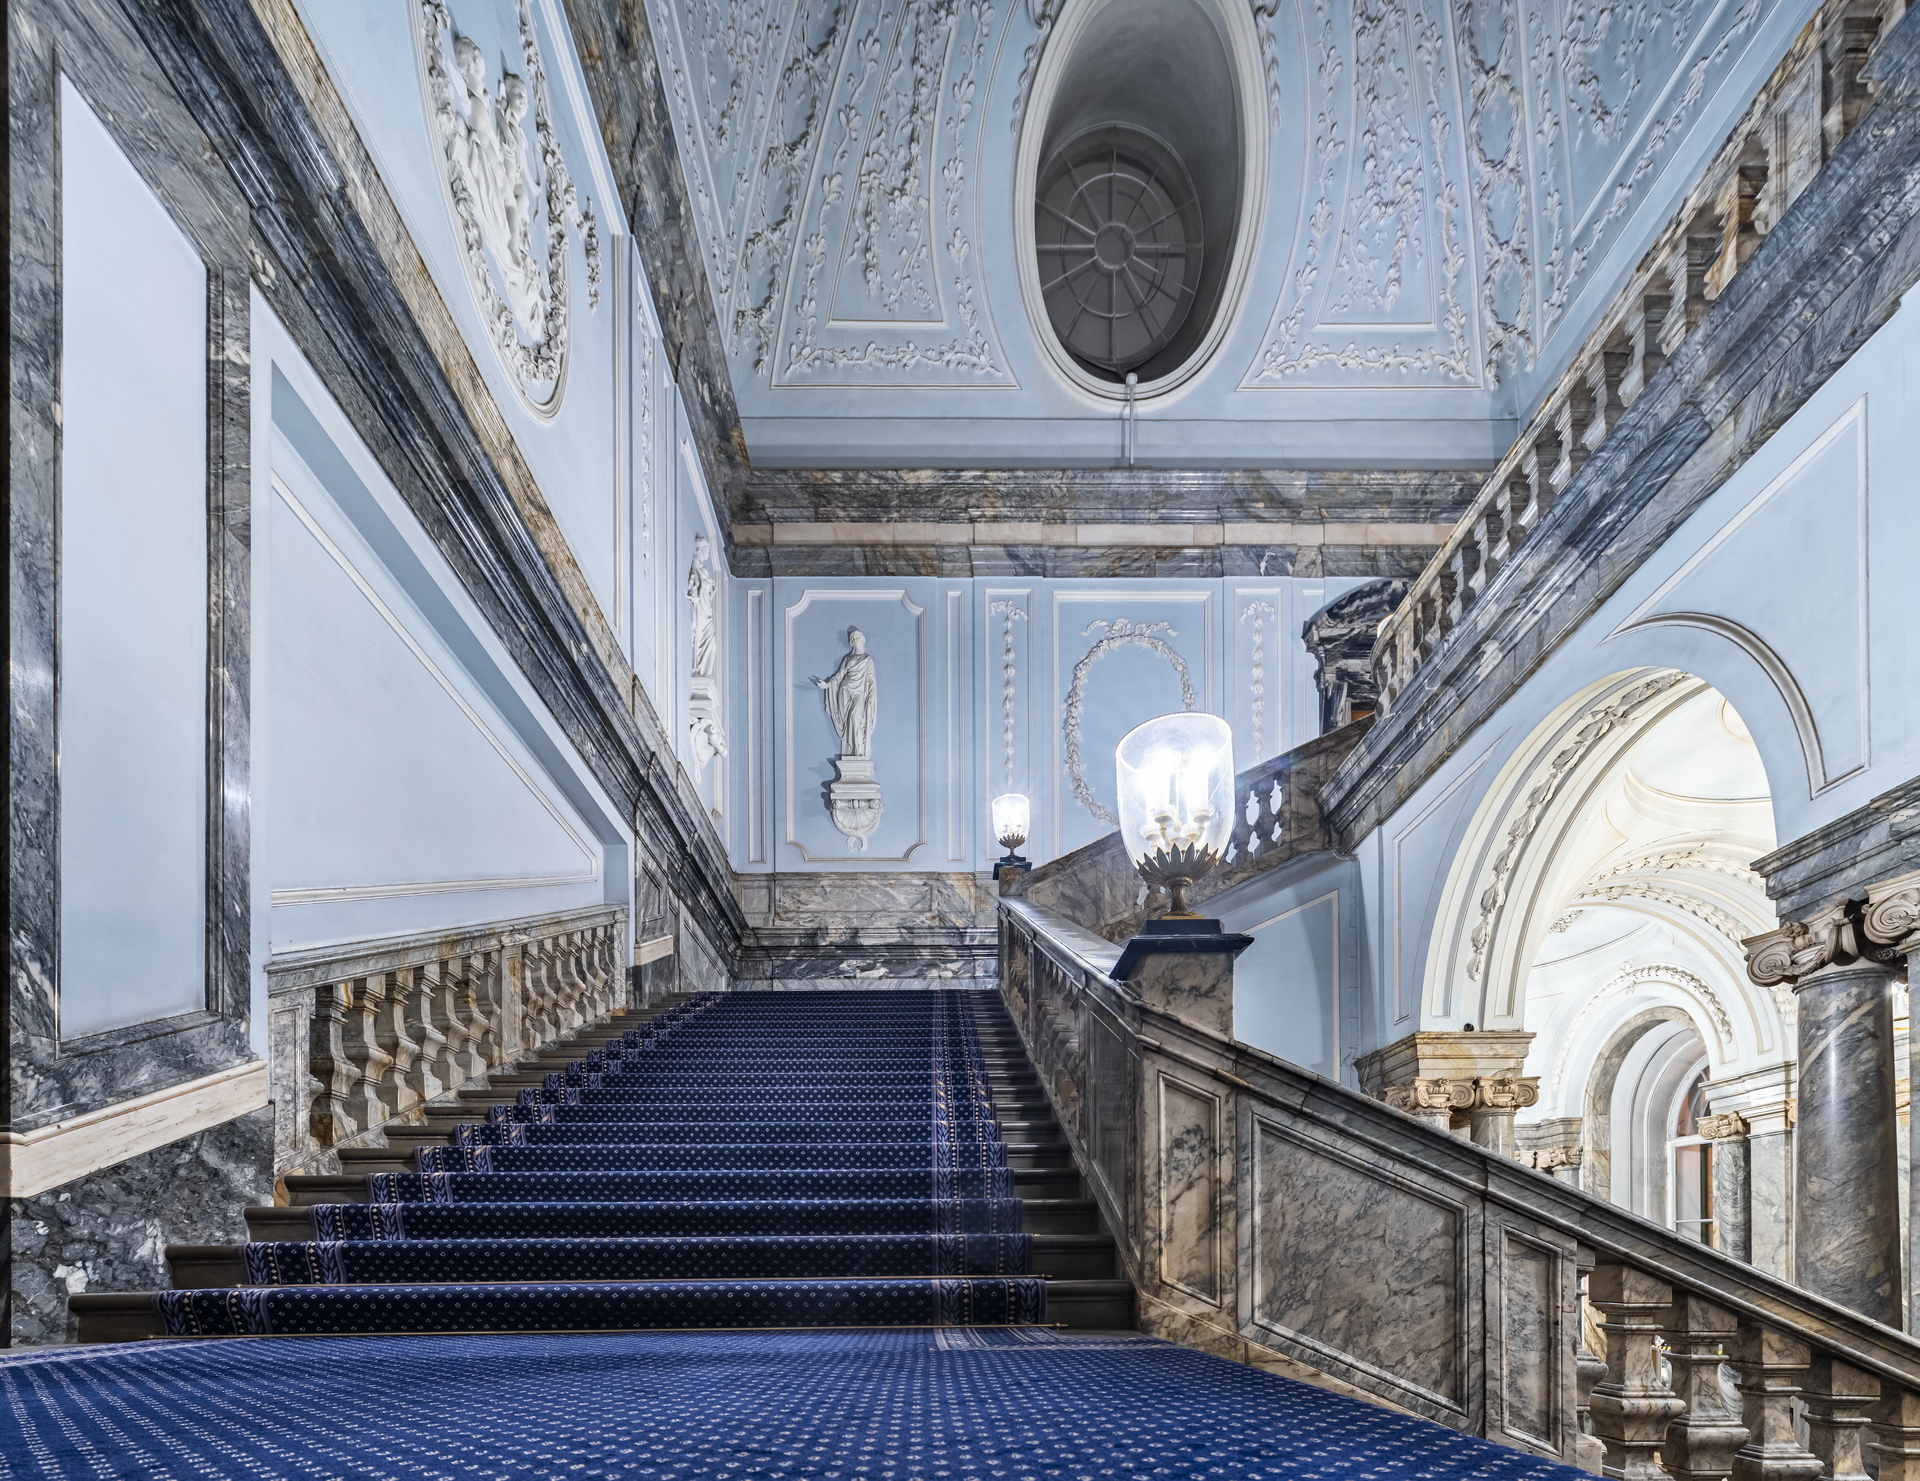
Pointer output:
1595, 726
514, 205
852, 696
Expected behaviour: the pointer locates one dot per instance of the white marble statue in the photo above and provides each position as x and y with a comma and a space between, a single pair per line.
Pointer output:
852, 695
703, 588
489, 145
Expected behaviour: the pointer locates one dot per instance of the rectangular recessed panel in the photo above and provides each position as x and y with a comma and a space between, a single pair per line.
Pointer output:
1189, 1189
1111, 1123
1353, 1261
1529, 1345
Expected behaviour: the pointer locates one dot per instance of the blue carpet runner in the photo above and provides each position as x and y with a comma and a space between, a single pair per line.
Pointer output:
960, 1404
825, 1159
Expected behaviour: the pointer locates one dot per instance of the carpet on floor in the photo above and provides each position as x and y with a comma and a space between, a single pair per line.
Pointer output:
954, 1405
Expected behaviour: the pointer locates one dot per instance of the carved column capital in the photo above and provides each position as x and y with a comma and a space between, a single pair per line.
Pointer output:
1892, 913
1425, 1093
1546, 1159
1837, 937
1505, 1092
1722, 1127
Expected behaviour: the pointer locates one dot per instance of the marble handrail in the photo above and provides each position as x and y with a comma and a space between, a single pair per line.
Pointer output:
1278, 1217
1812, 101
367, 1033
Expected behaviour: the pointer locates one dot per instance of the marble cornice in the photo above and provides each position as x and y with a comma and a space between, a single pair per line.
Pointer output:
1845, 856
1827, 276
614, 41
333, 258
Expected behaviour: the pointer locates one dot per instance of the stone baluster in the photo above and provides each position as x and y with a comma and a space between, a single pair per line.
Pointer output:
511, 982
427, 1074
1589, 1451
1700, 1444
536, 1012
1846, 1206
1536, 466
465, 1036
1896, 1434
1838, 1397
1739, 236
1490, 534
1604, 373
369, 1046
1644, 356
1686, 266
1570, 420
1847, 47
332, 1118
1463, 574
1770, 1365
1632, 1406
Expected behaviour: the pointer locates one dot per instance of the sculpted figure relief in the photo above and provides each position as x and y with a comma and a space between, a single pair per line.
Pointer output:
852, 696
702, 589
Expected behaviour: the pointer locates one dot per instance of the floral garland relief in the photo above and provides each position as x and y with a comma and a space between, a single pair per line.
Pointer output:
1120, 633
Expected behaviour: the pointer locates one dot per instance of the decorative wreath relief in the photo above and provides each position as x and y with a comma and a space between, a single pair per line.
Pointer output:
1119, 633
514, 205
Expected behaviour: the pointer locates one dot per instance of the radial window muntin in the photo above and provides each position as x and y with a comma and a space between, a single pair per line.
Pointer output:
1119, 245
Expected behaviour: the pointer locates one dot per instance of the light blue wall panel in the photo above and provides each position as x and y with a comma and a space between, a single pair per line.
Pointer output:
133, 594
990, 685
1297, 990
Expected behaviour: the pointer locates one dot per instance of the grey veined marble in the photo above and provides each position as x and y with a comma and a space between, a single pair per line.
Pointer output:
1847, 1196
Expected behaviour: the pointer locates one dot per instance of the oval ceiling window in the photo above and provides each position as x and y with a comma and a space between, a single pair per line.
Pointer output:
1121, 246
1138, 172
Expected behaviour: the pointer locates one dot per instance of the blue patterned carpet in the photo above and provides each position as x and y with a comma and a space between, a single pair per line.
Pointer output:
865, 1406
748, 1160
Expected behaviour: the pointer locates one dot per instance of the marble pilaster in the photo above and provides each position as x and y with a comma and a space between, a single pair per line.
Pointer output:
1732, 1206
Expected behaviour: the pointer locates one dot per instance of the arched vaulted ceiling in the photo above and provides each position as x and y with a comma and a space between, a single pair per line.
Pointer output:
1452, 192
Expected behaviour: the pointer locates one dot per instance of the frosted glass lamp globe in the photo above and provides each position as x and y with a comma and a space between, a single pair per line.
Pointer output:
1174, 775
1012, 820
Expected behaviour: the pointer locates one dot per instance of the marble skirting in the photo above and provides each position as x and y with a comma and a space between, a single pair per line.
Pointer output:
109, 1230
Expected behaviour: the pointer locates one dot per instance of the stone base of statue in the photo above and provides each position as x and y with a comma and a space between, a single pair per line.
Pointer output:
704, 727
854, 800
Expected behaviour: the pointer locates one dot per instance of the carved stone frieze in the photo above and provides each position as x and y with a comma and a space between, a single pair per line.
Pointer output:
515, 208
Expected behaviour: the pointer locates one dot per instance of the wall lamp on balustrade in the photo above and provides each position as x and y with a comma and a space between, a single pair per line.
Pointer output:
1012, 826
1174, 777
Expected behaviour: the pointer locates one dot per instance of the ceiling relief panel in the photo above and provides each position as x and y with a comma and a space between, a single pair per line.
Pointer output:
1380, 290
1453, 190
830, 150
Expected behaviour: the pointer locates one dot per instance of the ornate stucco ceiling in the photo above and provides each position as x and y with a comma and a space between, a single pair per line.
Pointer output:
1453, 193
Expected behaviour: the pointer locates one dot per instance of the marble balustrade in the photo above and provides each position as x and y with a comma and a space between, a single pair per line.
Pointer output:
1813, 100
369, 1033
1271, 1216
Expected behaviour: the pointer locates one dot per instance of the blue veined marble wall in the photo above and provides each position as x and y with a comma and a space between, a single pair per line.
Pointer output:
989, 685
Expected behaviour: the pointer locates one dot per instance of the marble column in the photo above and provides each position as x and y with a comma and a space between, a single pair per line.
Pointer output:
1732, 1229
1497, 1099
1892, 919
1846, 1207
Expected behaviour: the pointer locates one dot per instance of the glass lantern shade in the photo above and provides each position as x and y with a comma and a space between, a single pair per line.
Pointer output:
1012, 820
1175, 780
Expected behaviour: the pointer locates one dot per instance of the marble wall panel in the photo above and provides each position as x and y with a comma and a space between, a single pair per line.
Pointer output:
1361, 1265
109, 1230
1528, 1357
1191, 1235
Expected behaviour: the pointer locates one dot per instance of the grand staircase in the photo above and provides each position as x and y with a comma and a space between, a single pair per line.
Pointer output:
737, 1160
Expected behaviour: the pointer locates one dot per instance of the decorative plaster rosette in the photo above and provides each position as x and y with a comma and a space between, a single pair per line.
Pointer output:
514, 205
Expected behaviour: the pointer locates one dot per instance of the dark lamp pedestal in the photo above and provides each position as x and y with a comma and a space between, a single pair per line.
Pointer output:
1181, 934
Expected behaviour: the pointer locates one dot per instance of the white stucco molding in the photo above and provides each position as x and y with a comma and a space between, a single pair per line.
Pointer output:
33, 1161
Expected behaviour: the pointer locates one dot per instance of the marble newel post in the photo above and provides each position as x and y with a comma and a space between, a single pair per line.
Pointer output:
1846, 1197
1185, 974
